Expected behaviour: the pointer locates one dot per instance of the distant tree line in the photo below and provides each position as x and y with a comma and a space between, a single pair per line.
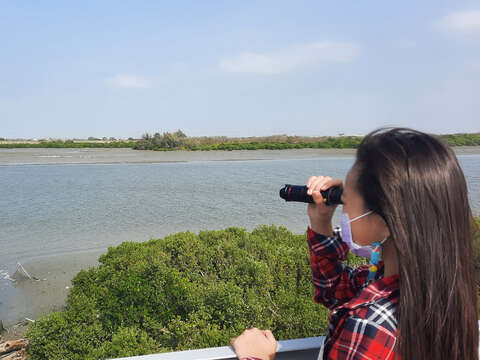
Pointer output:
180, 141
70, 144
461, 139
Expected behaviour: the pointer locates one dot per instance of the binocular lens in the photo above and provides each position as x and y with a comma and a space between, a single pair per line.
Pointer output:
299, 193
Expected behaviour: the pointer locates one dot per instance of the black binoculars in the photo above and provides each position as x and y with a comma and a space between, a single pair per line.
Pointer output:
298, 193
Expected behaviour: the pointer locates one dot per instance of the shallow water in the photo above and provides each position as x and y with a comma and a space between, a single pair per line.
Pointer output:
72, 208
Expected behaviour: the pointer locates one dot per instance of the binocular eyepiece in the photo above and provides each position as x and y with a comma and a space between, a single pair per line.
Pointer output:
298, 193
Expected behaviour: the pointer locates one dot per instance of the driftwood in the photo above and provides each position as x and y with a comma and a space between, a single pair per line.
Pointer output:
13, 350
17, 355
22, 274
9, 346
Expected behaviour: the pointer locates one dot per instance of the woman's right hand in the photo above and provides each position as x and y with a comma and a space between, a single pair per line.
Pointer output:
255, 343
320, 214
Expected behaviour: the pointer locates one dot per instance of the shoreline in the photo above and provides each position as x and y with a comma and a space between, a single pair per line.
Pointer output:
33, 298
104, 156
129, 156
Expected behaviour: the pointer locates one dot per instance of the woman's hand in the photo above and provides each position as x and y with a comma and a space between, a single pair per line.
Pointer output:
255, 343
320, 214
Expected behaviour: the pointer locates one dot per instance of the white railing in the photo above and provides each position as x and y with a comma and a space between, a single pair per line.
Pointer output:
297, 349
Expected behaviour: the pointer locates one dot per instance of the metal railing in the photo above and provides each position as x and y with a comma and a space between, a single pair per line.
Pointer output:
297, 349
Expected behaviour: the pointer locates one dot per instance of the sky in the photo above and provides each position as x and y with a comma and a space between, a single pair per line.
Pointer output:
245, 68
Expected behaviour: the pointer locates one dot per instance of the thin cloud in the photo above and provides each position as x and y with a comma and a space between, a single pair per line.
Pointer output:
475, 65
292, 58
405, 44
463, 22
128, 81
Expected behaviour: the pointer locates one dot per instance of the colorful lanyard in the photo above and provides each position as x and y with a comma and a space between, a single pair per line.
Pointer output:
374, 259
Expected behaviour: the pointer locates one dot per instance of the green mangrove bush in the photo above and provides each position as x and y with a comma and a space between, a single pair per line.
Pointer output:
184, 291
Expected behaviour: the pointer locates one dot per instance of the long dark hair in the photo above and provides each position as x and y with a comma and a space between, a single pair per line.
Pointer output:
415, 183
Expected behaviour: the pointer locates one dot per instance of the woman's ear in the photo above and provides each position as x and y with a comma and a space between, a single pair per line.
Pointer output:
387, 232
383, 227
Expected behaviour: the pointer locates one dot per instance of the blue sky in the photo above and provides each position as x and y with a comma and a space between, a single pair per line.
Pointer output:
245, 68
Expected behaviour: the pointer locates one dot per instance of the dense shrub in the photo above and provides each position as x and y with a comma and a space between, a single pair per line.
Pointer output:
165, 141
182, 292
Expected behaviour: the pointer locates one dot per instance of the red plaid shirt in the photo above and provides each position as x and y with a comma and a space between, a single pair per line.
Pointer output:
362, 322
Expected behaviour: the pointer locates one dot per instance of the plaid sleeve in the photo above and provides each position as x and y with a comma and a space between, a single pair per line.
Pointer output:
363, 339
334, 282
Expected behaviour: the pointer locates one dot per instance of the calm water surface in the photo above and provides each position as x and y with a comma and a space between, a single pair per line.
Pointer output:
65, 208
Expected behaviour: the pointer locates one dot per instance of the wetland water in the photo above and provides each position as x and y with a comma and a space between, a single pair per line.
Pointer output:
60, 208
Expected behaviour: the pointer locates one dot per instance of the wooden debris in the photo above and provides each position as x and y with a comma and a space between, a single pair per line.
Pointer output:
17, 355
22, 274
18, 346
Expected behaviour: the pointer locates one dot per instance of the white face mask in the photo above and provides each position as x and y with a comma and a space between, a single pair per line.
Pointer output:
362, 251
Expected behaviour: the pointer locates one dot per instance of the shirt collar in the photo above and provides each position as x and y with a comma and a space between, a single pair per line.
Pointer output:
382, 288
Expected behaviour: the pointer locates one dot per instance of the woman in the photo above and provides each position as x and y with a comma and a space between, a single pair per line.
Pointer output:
405, 194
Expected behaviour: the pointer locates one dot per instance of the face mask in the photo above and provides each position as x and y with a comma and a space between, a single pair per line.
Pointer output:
362, 251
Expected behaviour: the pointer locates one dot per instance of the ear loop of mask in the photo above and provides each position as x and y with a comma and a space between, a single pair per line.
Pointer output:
360, 216
374, 259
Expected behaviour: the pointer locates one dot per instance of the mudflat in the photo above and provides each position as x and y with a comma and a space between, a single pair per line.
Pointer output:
114, 156
45, 156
